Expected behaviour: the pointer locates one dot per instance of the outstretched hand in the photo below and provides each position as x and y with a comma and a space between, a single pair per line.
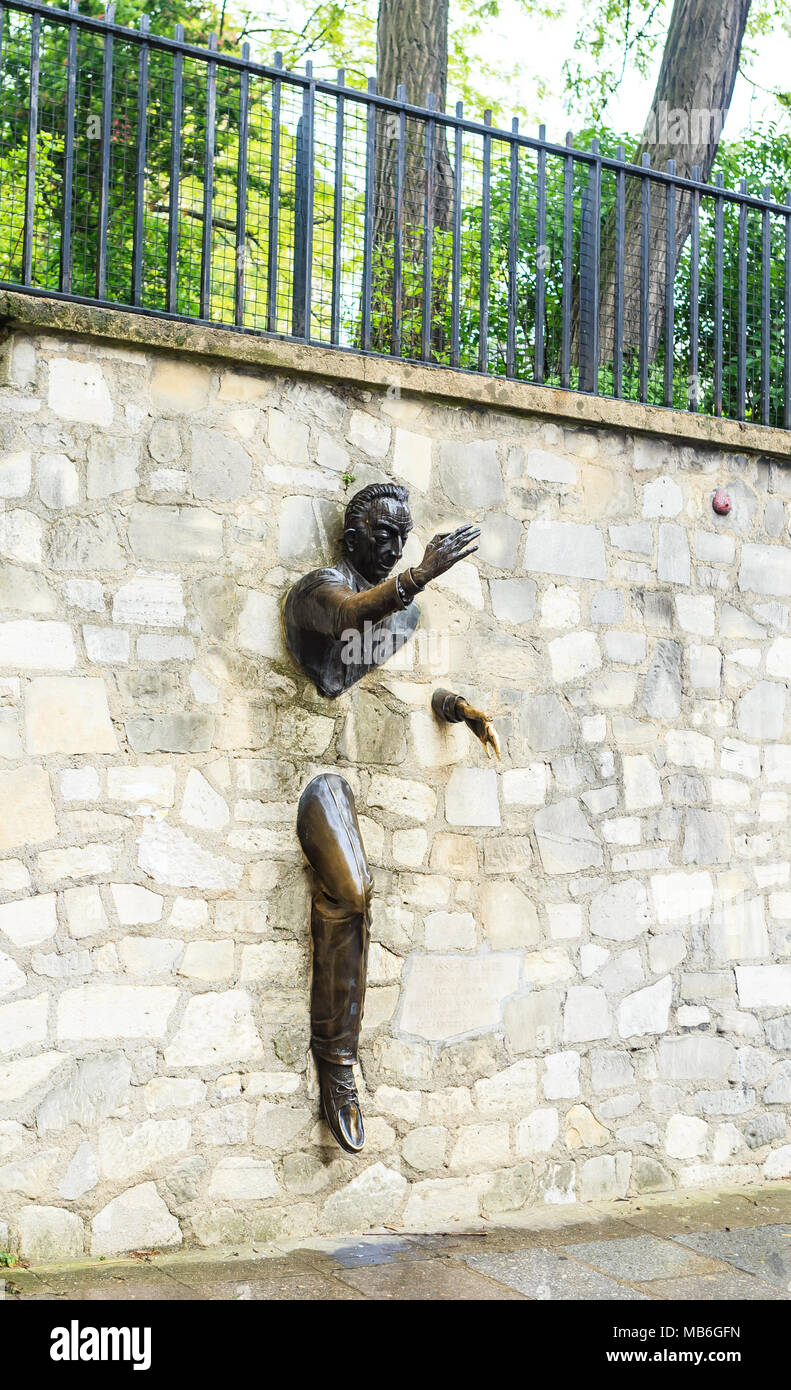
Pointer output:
481, 725
445, 550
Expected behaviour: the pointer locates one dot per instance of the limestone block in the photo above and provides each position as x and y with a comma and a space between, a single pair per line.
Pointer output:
23, 1023
641, 784
370, 435
373, 734
19, 1081
106, 644
221, 467
471, 797
136, 905
25, 591
695, 1055
84, 543
760, 713
137, 1220
29, 921
20, 536
573, 656
606, 1178
202, 806
765, 569
620, 912
647, 1010
672, 565
584, 1131
169, 856
37, 646
27, 815
49, 1233
607, 606
437, 1204
78, 391
170, 733
480, 1147
424, 1149
565, 548
278, 1127
174, 534
259, 624
680, 897
537, 1132
565, 920
412, 459
546, 724
662, 497
68, 714
115, 1011
512, 1090
84, 911
561, 1075
509, 918
662, 691
696, 613
15, 473
565, 840
216, 1029
145, 1148
209, 961
471, 475
58, 482
763, 986
586, 1015
445, 996
637, 538
81, 1176
147, 783
112, 465
401, 797
12, 979
513, 600
450, 931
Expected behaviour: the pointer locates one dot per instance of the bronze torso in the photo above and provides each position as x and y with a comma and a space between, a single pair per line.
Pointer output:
321, 618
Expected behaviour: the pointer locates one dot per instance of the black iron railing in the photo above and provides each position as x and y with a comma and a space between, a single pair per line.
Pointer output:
141, 171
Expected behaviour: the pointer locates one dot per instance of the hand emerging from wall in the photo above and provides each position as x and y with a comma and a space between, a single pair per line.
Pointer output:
454, 709
445, 550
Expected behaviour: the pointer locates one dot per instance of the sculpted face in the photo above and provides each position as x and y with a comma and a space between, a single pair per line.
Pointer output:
376, 545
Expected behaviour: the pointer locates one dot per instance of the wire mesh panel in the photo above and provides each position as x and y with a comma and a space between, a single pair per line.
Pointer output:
140, 170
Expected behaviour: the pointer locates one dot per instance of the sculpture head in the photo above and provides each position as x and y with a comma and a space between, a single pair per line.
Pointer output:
376, 526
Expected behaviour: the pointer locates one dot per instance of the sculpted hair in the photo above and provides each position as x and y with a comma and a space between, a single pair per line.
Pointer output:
358, 507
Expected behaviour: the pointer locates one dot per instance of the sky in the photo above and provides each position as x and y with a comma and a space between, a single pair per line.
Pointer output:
545, 44
527, 53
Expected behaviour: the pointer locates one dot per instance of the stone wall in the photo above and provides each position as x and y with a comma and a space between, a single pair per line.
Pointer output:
580, 982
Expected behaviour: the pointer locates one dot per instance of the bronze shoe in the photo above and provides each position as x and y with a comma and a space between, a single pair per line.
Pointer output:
341, 1105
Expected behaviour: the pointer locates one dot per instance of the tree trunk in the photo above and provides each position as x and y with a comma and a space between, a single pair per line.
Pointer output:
691, 100
412, 50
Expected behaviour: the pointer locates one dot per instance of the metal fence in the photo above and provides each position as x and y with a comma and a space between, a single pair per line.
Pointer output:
141, 171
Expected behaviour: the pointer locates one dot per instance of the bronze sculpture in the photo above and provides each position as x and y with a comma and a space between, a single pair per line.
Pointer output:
325, 615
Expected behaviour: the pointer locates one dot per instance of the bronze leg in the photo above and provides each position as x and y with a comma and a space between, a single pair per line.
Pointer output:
330, 836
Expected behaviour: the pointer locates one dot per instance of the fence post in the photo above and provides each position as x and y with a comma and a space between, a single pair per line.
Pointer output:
241, 189
65, 279
337, 217
568, 262
483, 302
694, 295
590, 252
274, 203
303, 214
208, 184
32, 142
104, 162
455, 285
175, 172
670, 283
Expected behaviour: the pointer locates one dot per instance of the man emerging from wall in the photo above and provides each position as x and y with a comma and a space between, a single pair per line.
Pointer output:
341, 623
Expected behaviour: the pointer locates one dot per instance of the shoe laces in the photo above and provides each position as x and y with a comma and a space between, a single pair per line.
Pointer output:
344, 1092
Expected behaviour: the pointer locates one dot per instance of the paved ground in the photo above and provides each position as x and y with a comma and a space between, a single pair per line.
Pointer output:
696, 1245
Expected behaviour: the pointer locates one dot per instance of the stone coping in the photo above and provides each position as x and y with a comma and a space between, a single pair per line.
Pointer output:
46, 314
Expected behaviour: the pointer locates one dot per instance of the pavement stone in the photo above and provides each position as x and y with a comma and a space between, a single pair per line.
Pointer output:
544, 1274
427, 1280
713, 1288
638, 1258
763, 1250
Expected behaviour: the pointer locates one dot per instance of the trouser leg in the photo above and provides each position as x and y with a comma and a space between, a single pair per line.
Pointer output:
330, 836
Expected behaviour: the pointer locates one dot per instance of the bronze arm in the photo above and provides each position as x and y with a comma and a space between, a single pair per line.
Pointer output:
454, 709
